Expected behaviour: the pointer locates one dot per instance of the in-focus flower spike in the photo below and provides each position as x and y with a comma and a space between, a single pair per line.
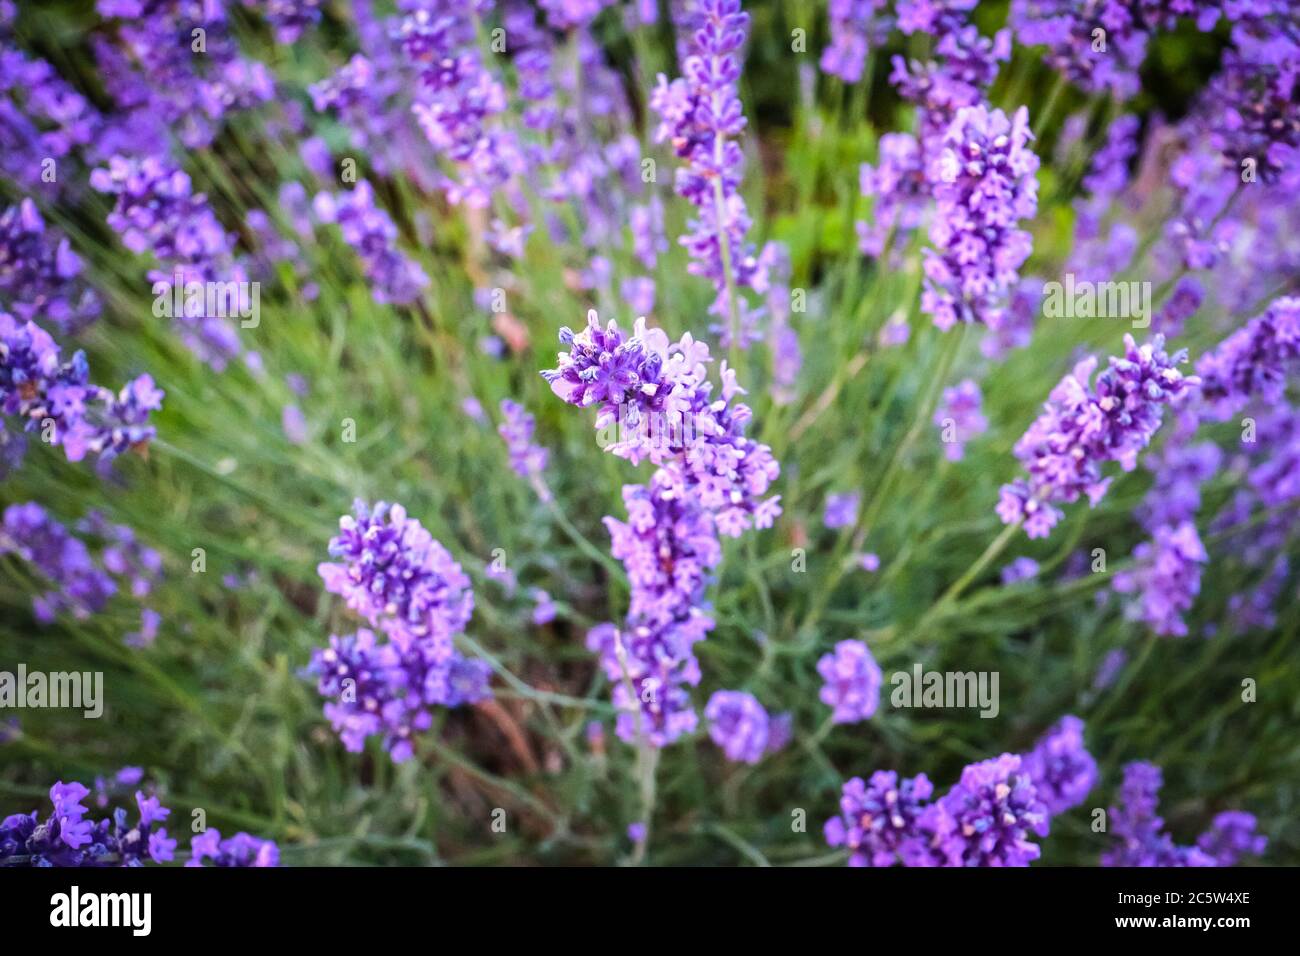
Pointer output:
879, 817
983, 177
69, 838
701, 116
986, 819
395, 575
402, 581
852, 680
1084, 425
658, 400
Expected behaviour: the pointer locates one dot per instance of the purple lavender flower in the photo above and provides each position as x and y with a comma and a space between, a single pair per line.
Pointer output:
396, 576
42, 118
668, 548
983, 180
852, 680
40, 275
960, 417
1252, 114
516, 429
1095, 62
1230, 837
738, 724
1166, 578
1083, 426
964, 66
660, 400
457, 101
241, 850
190, 93
58, 399
67, 838
1021, 569
288, 18
700, 114
856, 26
371, 232
1063, 771
156, 211
1139, 832
1253, 361
79, 585
708, 481
898, 184
841, 509
879, 817
984, 820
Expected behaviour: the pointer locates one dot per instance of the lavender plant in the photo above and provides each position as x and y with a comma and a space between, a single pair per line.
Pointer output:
897, 285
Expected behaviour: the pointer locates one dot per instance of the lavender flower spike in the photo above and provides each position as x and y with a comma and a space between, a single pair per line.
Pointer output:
1085, 425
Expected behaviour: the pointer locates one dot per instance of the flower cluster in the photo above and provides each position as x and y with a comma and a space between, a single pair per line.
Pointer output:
69, 838
1141, 839
741, 726
156, 211
516, 429
856, 26
403, 582
879, 818
1095, 61
898, 185
1166, 578
985, 819
1063, 771
964, 66
58, 399
1253, 361
40, 275
710, 480
659, 397
188, 80
369, 230
668, 547
240, 850
288, 18
458, 98
983, 179
960, 417
852, 682
79, 583
1084, 425
700, 114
